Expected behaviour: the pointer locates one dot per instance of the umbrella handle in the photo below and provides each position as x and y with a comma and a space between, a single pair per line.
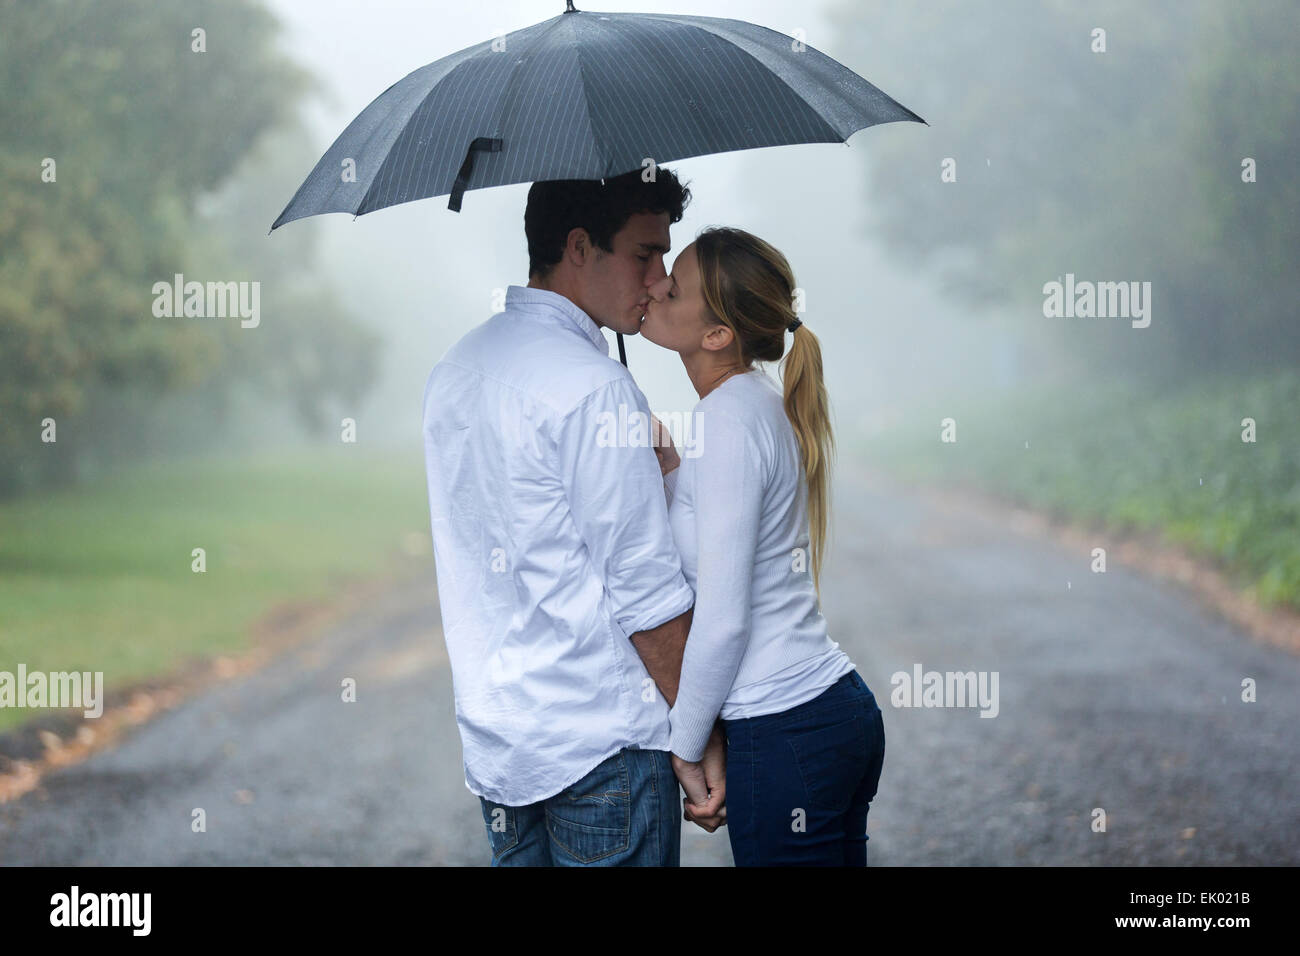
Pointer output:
622, 352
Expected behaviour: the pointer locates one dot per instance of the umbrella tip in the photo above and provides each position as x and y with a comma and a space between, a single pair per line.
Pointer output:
571, 7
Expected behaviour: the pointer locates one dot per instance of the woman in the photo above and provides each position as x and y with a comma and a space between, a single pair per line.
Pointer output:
805, 738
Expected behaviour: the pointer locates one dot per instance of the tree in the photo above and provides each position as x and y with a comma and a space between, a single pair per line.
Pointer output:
1109, 165
117, 134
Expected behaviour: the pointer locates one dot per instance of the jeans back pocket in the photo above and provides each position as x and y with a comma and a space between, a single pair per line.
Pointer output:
592, 819
832, 761
502, 830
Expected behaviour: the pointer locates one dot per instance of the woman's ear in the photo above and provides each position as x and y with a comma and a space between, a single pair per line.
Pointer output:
718, 338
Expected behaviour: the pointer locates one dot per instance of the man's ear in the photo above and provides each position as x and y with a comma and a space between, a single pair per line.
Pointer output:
577, 245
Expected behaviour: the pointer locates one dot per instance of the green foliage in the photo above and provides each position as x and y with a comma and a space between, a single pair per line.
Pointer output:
1125, 456
1252, 87
1123, 165
100, 578
146, 134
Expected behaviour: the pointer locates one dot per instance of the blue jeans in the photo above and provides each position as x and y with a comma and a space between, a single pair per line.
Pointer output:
625, 812
799, 783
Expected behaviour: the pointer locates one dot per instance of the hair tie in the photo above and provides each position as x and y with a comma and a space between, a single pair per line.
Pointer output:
794, 325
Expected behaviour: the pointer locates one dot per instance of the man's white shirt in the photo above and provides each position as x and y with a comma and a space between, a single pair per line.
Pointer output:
552, 547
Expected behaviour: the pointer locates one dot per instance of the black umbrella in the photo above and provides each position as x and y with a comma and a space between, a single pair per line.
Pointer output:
587, 95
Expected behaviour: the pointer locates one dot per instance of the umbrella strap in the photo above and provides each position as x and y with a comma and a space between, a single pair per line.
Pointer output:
484, 144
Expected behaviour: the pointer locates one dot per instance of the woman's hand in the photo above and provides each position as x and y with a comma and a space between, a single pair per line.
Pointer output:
705, 784
665, 450
714, 764
691, 777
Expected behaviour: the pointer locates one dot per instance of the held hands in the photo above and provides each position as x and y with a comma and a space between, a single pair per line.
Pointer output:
665, 450
705, 783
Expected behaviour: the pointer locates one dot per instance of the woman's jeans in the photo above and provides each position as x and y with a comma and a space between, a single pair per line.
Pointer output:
799, 783
625, 812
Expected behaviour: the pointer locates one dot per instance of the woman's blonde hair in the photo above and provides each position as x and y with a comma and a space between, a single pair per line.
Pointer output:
749, 286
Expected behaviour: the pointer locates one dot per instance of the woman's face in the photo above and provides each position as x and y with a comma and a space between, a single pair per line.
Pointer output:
674, 317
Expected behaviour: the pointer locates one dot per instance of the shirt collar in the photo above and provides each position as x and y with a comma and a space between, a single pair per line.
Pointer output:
558, 306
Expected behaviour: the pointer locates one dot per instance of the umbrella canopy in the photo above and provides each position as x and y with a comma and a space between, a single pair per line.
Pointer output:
587, 95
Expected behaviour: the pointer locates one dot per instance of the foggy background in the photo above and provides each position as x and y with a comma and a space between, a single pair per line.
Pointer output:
179, 496
1122, 165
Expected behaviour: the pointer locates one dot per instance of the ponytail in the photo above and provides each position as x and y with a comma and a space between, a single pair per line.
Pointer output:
808, 408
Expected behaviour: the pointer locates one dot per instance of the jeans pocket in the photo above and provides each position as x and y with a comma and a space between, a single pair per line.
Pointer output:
502, 830
592, 819
831, 762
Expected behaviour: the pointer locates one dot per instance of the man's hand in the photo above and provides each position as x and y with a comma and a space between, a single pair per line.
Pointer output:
665, 450
713, 813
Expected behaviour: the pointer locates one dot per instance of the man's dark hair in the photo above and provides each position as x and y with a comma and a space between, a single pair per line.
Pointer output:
557, 207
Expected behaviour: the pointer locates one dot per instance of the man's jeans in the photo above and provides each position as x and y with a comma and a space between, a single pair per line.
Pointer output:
625, 812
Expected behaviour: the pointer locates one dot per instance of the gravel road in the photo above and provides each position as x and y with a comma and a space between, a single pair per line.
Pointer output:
1115, 691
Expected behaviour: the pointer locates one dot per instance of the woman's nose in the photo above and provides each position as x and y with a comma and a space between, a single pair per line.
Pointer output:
659, 288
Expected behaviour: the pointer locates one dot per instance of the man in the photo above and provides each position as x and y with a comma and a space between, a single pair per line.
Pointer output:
563, 603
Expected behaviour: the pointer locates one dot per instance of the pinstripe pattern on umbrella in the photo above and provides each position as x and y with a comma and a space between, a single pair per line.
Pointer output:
588, 95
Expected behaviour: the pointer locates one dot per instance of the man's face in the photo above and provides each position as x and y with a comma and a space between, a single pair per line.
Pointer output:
616, 287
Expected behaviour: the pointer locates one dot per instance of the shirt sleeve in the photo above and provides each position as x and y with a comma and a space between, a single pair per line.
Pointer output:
615, 493
728, 493
670, 484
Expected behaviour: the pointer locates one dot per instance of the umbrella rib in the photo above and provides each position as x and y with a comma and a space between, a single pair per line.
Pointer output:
793, 119
605, 159
511, 88
680, 131
774, 73
384, 171
378, 133
782, 80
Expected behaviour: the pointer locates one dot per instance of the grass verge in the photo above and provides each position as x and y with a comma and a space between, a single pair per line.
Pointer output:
101, 578
1132, 459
